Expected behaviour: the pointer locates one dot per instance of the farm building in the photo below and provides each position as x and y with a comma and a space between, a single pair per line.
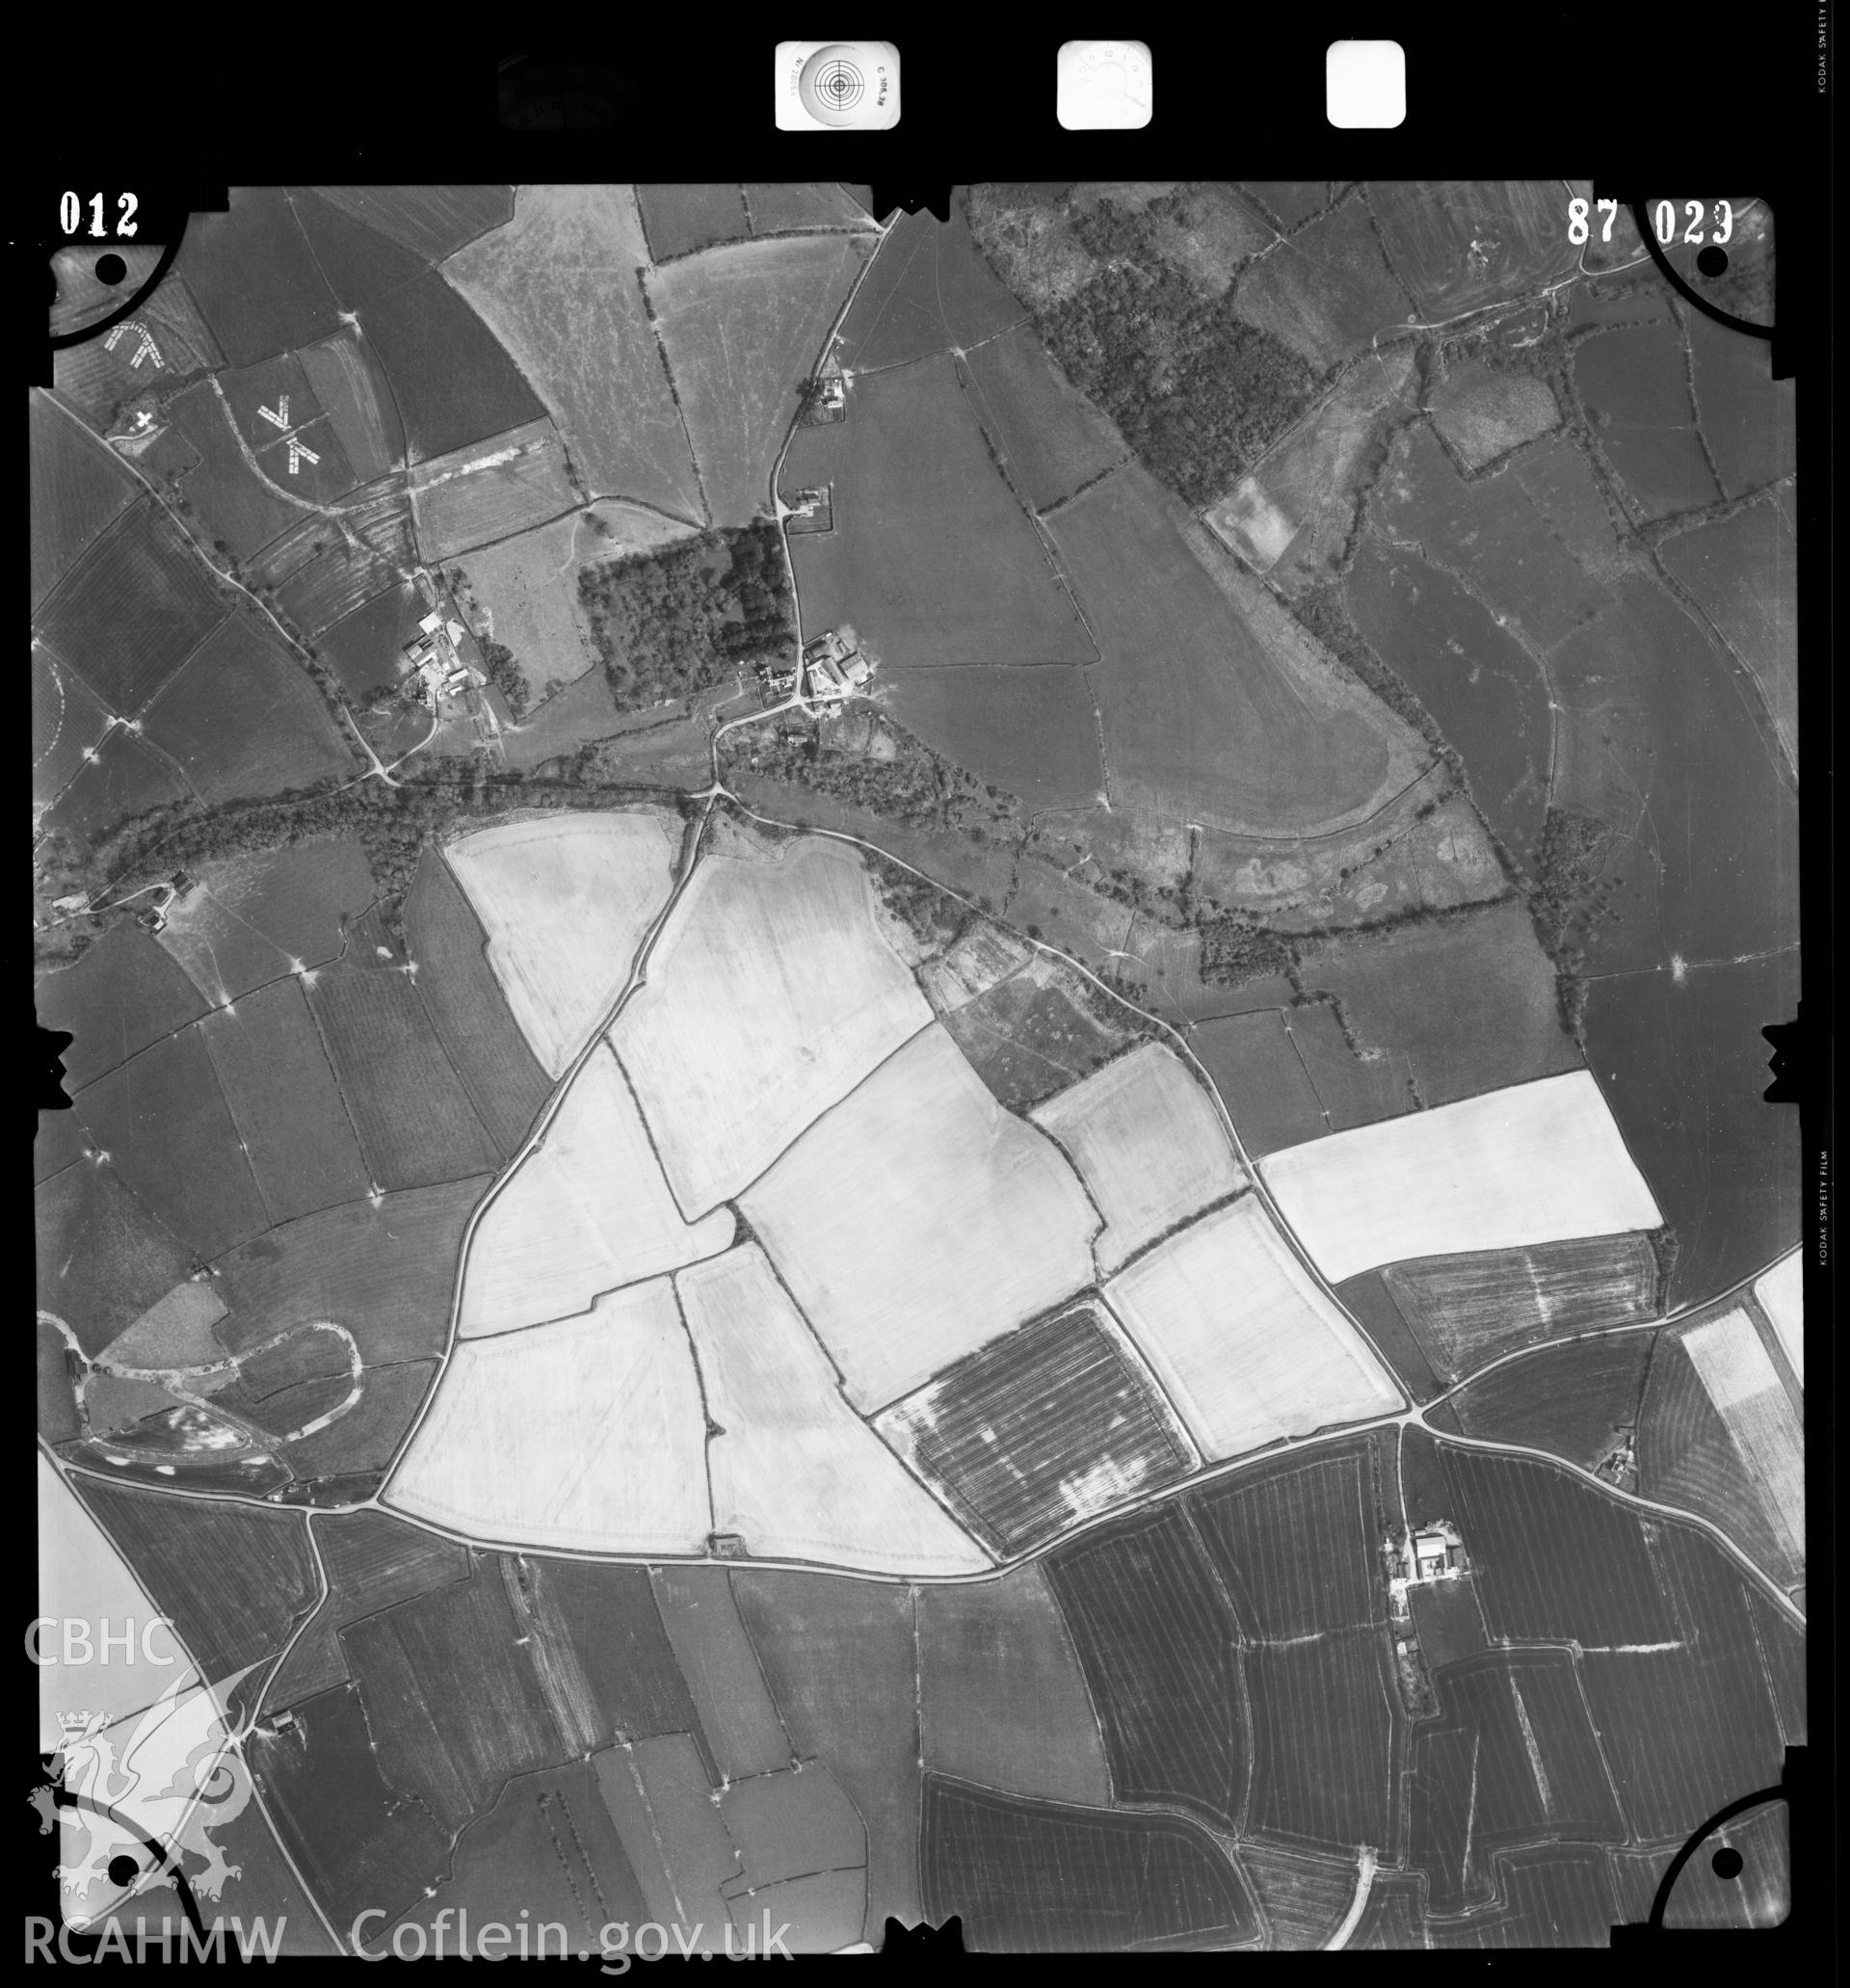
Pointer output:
1435, 1552
832, 668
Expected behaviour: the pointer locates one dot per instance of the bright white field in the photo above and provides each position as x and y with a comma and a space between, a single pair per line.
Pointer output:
918, 1219
1148, 1145
797, 1472
1536, 1162
1242, 1339
1782, 1295
1745, 1387
587, 1211
589, 1432
770, 995
565, 901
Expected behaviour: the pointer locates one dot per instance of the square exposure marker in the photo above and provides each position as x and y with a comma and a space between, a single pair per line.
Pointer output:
837, 86
1104, 85
1366, 85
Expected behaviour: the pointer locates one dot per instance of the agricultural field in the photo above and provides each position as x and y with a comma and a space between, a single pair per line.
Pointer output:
1050, 438
1781, 1296
1460, 244
742, 326
321, 574
1245, 1344
796, 1475
929, 290
1294, 1544
1042, 1428
584, 1212
1635, 382
129, 1258
78, 488
281, 385
1743, 572
123, 779
1579, 1401
101, 378
1329, 290
963, 1221
363, 648
244, 718
1323, 1732
559, 287
132, 609
67, 724
433, 221
198, 458
776, 208
519, 1443
1538, 1162
491, 490
1033, 731
1292, 201
1202, 718
122, 995
1148, 1145
771, 993
1759, 1895
741, 1731
679, 218
255, 321
1035, 1033
565, 901
1746, 414
345, 378
932, 559
1255, 1067
1483, 415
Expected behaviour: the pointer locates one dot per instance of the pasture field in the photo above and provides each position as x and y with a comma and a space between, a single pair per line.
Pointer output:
560, 287
678, 218
360, 263
1038, 1431
66, 723
1323, 1732
363, 648
658, 1799
1484, 415
234, 504
771, 994
1783, 1654
1469, 1307
742, 325
1201, 719
1536, 1162
1295, 1545
345, 573
102, 1259
1290, 201
1493, 529
1000, 1692
1244, 1344
840, 1660
1690, 1455
1033, 731
1485, 695
1757, 1895
1743, 572
1634, 383
244, 718
1327, 291
1447, 1620
575, 717
56, 1403
604, 1621
98, 379
452, 379
1051, 439
1575, 1401
345, 379
1302, 1898
348, 1455
1255, 1067
132, 609
255, 321
1039, 1877
1350, 1092
78, 487
1457, 1007
269, 385
359, 1845
459, 989
796, 1474
565, 900
387, 1273
521, 1444
490, 490
253, 917
1560, 484
1159, 1648
962, 1222
932, 558
232, 1577
432, 220
1459, 243
162, 1119
120, 996
1782, 1295
1745, 1387
285, 1102
818, 204
928, 290
58, 1141
785, 1824
125, 778
741, 1732
1148, 1145
1746, 414
415, 1123
1654, 1034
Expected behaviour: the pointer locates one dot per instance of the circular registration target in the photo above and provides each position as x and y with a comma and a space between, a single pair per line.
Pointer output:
832, 85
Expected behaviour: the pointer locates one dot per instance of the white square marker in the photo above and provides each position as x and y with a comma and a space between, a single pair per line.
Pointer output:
1366, 85
1104, 85
837, 86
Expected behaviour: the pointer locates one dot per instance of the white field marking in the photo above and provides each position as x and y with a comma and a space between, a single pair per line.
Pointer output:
1744, 1385
770, 994
1243, 1341
1146, 1144
1535, 1162
1536, 1767
797, 1471
565, 900
587, 1432
1782, 1295
917, 1220
586, 1212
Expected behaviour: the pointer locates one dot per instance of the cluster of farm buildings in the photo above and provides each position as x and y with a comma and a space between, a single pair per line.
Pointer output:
432, 657
829, 671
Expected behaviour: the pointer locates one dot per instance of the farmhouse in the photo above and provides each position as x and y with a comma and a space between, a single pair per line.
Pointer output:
831, 669
432, 657
1435, 1552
